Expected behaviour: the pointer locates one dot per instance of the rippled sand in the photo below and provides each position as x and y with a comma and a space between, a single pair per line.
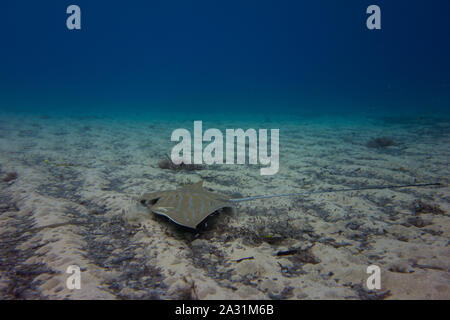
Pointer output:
73, 203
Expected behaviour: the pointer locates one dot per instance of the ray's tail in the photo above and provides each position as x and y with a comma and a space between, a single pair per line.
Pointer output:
307, 193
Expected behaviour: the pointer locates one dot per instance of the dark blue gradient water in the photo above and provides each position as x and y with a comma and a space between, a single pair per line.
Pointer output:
274, 58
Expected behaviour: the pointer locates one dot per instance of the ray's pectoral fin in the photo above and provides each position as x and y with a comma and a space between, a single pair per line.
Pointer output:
176, 216
162, 210
184, 217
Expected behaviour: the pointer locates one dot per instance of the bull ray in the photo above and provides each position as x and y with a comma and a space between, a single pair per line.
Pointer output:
191, 204
187, 206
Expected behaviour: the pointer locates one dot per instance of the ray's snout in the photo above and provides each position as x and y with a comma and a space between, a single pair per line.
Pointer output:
148, 200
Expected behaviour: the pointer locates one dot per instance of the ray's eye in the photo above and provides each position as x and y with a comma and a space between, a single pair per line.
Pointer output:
144, 202
154, 201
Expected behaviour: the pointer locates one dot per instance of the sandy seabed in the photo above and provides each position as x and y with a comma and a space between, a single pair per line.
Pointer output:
73, 202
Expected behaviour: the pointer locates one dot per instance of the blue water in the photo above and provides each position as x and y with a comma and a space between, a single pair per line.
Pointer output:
236, 57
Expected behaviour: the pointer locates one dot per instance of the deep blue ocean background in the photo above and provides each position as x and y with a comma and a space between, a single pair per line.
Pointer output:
270, 58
